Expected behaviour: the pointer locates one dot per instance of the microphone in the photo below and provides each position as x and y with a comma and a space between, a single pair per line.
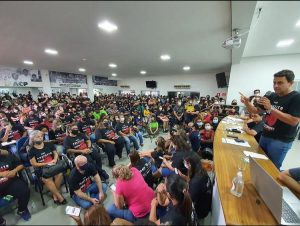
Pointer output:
267, 95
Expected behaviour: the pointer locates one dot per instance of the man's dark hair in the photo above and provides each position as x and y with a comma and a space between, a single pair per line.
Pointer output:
288, 74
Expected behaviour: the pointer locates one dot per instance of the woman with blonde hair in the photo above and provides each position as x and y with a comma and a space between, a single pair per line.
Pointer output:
132, 191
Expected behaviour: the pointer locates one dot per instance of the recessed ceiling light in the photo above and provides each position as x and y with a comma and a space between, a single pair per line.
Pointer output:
28, 62
165, 57
114, 74
112, 65
186, 68
107, 26
51, 51
81, 69
298, 23
83, 59
285, 43
143, 72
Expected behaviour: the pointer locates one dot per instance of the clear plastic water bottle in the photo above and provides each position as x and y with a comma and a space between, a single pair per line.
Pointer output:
237, 185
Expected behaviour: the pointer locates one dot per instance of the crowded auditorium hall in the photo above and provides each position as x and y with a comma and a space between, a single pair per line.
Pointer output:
149, 113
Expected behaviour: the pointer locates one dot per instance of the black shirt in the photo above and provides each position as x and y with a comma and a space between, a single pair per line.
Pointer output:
173, 217
145, 169
57, 134
258, 127
177, 161
32, 122
201, 193
107, 134
78, 142
15, 133
81, 181
7, 163
84, 127
44, 155
276, 129
123, 127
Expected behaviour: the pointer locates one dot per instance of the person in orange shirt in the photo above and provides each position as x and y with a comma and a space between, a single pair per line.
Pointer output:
207, 136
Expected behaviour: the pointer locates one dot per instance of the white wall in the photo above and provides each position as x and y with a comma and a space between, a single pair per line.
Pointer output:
206, 84
257, 73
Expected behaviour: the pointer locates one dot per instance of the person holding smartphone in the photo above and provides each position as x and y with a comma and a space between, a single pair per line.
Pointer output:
282, 117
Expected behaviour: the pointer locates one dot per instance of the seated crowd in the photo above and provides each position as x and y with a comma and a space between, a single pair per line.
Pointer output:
64, 136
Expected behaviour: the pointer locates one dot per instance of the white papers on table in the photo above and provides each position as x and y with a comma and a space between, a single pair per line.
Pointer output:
255, 155
232, 141
235, 119
8, 143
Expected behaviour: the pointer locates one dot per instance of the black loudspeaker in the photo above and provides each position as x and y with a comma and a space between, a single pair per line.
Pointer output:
221, 80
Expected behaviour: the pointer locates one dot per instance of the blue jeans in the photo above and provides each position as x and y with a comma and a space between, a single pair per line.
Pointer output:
132, 139
139, 136
114, 212
94, 193
93, 138
276, 150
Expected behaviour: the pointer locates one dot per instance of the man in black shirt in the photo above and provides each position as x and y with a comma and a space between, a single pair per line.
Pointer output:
32, 120
11, 184
282, 118
83, 190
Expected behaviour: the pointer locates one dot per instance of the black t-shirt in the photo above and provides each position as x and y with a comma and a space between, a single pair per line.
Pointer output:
107, 134
276, 129
44, 155
15, 133
258, 127
177, 161
145, 169
84, 127
155, 155
32, 122
173, 217
201, 193
123, 127
7, 163
78, 142
81, 181
57, 134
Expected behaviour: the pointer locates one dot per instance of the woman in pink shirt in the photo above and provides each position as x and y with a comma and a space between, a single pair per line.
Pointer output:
132, 191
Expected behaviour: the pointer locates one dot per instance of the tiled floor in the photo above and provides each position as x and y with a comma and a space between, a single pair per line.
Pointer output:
55, 215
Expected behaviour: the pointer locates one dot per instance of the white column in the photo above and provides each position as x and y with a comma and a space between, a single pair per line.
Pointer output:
46, 82
90, 87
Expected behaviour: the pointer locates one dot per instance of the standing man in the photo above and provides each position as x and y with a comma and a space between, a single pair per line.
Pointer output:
282, 118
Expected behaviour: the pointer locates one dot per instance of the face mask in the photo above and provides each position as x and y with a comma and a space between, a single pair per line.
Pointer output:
257, 94
215, 121
83, 119
106, 124
216, 102
122, 120
222, 102
38, 142
200, 124
207, 127
160, 109
74, 131
185, 165
190, 102
234, 103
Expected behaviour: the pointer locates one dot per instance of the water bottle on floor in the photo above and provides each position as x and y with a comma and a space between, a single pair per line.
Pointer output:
237, 185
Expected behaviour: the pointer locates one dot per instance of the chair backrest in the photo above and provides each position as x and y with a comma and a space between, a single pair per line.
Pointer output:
21, 142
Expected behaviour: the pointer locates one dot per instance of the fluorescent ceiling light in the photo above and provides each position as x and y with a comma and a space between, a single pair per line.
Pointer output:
186, 68
112, 65
28, 62
298, 23
51, 51
107, 26
81, 69
143, 72
114, 74
165, 57
83, 59
285, 43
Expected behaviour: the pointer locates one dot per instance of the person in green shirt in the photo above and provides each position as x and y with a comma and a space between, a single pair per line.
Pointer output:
99, 114
153, 126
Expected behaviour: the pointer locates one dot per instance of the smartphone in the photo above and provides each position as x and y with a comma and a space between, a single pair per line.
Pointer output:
176, 171
232, 136
239, 140
160, 157
113, 187
73, 211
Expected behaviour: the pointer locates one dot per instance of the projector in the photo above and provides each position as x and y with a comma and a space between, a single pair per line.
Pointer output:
232, 42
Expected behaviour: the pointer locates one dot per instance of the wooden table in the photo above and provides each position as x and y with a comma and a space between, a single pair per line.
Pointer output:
246, 209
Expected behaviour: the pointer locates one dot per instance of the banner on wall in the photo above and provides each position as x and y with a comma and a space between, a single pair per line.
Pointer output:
20, 77
64, 79
104, 81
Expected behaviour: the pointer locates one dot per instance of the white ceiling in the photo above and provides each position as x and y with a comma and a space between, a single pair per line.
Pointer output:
276, 22
191, 32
